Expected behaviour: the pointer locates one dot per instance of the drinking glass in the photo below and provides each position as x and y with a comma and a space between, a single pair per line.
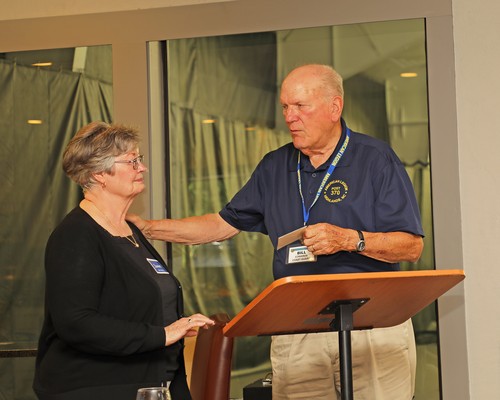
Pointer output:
154, 393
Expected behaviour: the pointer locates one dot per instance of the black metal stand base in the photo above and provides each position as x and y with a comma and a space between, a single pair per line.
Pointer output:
343, 324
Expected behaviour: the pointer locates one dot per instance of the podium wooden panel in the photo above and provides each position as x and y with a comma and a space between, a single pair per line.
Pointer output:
341, 302
293, 304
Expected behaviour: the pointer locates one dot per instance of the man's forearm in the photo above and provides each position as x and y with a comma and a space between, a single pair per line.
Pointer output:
192, 230
393, 246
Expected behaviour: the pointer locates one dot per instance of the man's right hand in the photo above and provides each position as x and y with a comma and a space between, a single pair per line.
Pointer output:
142, 224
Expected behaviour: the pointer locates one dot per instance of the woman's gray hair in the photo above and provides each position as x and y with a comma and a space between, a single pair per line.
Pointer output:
93, 150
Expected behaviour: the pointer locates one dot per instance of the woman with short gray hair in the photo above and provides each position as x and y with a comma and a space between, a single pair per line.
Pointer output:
114, 312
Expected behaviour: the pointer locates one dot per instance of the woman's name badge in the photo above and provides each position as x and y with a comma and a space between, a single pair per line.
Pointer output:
157, 266
299, 254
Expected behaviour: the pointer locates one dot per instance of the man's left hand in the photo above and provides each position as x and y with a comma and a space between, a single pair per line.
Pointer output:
326, 238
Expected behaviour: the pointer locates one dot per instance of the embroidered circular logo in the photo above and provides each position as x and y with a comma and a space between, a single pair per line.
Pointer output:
335, 191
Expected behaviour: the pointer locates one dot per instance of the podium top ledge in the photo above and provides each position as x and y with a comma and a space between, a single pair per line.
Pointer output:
296, 304
368, 275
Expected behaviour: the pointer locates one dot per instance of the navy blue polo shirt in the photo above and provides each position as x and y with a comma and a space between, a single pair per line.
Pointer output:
369, 190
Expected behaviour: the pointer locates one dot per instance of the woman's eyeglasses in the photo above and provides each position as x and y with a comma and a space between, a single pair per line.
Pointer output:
135, 162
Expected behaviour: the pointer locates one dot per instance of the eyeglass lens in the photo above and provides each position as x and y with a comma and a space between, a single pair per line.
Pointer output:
136, 161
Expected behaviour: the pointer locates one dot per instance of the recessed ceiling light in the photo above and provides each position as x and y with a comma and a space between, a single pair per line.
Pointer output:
42, 64
408, 75
208, 121
35, 121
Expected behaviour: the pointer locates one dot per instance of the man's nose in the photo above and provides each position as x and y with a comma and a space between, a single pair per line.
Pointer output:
290, 114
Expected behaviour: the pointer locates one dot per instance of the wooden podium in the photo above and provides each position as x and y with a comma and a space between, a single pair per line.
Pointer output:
341, 302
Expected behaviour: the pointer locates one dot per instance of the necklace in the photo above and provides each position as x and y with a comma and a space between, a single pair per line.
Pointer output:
130, 238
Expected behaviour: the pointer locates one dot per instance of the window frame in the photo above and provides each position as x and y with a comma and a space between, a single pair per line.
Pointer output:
129, 32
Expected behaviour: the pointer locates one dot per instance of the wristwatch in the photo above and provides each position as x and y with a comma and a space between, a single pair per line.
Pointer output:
361, 244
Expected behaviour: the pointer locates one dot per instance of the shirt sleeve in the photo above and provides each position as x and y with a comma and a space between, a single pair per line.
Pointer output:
245, 211
396, 205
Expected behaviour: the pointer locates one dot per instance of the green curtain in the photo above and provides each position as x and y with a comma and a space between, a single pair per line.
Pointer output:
35, 195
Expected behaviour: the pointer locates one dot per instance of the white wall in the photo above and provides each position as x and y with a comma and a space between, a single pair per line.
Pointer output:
463, 56
477, 62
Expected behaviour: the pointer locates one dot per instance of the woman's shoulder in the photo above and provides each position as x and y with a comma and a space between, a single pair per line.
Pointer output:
76, 224
76, 216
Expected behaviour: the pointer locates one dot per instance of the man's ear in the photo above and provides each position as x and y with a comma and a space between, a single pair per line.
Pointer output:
337, 107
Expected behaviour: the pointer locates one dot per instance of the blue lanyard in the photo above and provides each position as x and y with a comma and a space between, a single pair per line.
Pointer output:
328, 173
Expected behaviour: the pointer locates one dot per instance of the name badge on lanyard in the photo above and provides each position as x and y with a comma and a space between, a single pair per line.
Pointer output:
300, 253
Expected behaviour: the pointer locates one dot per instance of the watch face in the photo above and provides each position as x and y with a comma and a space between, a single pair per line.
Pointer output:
361, 245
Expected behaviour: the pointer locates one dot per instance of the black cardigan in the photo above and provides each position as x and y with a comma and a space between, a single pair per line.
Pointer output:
103, 334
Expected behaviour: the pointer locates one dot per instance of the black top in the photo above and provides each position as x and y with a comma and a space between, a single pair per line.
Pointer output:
103, 334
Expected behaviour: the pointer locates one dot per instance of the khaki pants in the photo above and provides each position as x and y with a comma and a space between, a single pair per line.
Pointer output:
307, 366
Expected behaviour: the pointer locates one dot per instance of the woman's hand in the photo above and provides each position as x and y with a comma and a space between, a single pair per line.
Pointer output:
186, 327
